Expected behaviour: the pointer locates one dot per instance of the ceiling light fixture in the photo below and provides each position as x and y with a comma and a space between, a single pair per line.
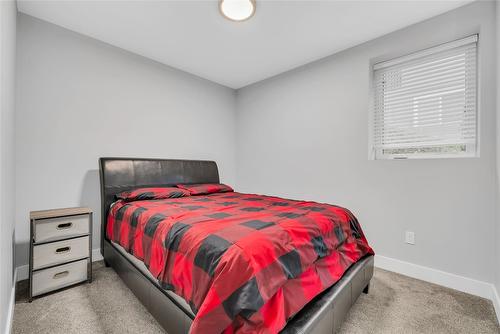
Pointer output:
237, 10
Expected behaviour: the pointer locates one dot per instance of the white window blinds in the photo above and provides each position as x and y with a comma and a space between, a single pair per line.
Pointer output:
425, 103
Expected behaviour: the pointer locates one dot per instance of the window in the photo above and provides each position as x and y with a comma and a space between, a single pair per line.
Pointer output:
425, 103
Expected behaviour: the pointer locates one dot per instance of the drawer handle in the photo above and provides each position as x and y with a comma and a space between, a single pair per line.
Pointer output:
64, 226
63, 250
62, 274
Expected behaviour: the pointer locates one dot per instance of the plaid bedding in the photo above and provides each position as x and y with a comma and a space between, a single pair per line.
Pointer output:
245, 263
205, 189
152, 193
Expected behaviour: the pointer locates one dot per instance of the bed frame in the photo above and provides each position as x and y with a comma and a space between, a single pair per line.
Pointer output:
322, 315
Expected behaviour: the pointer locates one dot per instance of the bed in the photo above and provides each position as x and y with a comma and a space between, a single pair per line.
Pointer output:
321, 312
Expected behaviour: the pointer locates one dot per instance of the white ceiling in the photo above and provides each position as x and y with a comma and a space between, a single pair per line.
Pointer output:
194, 37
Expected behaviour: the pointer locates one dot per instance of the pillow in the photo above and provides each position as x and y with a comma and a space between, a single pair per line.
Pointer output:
152, 193
206, 188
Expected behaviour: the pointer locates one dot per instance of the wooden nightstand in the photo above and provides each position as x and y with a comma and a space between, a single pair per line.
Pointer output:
60, 249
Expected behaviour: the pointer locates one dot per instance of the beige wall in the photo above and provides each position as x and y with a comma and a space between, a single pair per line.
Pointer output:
497, 234
79, 99
304, 134
8, 13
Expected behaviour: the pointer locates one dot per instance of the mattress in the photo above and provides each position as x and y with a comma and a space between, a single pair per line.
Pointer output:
243, 262
142, 267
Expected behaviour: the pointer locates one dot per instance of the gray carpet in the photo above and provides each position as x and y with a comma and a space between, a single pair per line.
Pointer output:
395, 304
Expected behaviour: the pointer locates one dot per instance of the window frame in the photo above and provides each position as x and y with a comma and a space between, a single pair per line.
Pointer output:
472, 150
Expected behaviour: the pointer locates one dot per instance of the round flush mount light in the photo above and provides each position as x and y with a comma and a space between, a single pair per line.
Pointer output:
237, 10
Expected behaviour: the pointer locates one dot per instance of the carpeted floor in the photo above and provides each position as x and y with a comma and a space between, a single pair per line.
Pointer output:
395, 304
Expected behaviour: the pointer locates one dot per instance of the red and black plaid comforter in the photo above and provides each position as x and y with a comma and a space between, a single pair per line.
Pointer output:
245, 263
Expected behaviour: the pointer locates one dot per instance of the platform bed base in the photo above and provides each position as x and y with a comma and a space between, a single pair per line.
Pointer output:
323, 315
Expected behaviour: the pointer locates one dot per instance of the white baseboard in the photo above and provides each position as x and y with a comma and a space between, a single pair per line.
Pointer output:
23, 271
12, 302
464, 284
496, 302
96, 255
460, 283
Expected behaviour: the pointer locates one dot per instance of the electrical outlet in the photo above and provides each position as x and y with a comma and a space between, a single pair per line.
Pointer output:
410, 237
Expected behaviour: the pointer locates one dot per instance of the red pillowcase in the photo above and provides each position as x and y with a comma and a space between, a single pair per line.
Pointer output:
206, 188
141, 194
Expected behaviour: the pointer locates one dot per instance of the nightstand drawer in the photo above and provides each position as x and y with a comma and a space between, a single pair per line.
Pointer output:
59, 252
47, 280
60, 228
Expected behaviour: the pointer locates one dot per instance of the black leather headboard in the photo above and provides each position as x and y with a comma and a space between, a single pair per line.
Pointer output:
121, 174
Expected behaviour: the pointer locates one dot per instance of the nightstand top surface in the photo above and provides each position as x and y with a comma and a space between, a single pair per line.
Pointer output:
42, 214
